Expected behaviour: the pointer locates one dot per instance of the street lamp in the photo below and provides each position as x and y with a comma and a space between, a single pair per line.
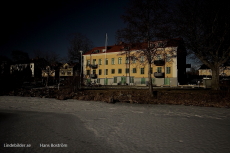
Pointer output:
81, 68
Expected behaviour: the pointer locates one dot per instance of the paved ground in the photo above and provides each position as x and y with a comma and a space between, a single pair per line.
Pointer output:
86, 126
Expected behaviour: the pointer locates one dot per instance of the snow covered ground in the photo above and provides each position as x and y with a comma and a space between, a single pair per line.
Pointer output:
140, 128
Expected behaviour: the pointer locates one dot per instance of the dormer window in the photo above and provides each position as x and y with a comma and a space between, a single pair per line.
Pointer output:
126, 48
158, 57
152, 45
160, 44
96, 51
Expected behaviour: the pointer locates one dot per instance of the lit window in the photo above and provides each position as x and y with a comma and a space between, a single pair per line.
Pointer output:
106, 61
112, 61
119, 60
99, 62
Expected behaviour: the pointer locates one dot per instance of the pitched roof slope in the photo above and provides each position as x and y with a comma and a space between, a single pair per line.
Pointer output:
120, 47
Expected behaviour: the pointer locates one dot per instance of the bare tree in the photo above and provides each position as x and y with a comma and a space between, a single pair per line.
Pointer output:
205, 27
19, 56
145, 20
51, 57
78, 42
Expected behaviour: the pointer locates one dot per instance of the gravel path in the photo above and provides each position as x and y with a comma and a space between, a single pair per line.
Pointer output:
132, 128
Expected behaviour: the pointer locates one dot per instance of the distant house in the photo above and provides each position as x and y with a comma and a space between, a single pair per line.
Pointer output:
224, 71
34, 67
21, 67
69, 70
22, 72
48, 72
4, 65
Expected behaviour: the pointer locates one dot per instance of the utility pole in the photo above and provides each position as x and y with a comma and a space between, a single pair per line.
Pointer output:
81, 69
48, 73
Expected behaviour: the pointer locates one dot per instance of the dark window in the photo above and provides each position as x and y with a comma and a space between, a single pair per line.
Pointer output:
159, 69
134, 70
168, 70
142, 70
88, 72
106, 71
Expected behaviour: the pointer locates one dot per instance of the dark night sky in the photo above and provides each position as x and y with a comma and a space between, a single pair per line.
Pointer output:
46, 26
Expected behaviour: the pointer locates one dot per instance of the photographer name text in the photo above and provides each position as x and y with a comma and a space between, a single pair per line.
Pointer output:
53, 145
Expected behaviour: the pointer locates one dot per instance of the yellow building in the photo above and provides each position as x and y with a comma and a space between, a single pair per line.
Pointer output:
112, 66
205, 71
68, 70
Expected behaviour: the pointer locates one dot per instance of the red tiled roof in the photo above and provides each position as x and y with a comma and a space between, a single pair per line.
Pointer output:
116, 48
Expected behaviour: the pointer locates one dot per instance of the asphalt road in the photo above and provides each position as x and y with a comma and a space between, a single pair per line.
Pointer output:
72, 126
46, 132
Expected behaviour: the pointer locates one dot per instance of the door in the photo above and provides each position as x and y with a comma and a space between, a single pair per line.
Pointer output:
106, 81
153, 81
167, 81
142, 80
123, 80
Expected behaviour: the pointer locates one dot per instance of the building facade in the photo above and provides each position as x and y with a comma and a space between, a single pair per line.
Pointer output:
48, 72
114, 65
21, 67
68, 70
224, 71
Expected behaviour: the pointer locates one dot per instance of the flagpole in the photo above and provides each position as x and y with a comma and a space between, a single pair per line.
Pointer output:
105, 56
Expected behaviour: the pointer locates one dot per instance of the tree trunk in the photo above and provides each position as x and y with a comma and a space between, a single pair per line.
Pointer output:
150, 81
215, 78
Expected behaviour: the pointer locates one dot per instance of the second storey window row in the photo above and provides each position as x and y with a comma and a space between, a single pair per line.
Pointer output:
127, 70
120, 60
